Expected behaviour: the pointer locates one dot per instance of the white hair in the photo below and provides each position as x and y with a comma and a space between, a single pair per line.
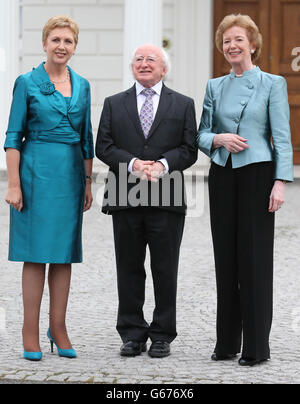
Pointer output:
165, 59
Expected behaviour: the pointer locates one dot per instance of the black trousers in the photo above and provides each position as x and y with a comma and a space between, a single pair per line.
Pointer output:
161, 230
243, 239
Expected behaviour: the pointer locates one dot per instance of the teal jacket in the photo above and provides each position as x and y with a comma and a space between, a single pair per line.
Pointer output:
38, 108
254, 106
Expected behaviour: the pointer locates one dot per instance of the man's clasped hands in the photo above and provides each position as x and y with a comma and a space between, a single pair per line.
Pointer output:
148, 170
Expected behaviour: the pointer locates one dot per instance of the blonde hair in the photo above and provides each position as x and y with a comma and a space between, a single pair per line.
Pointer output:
243, 21
61, 21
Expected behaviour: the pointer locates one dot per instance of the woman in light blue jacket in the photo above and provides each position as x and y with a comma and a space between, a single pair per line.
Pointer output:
245, 131
49, 147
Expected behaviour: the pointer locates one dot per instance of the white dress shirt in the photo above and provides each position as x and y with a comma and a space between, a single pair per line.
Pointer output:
141, 98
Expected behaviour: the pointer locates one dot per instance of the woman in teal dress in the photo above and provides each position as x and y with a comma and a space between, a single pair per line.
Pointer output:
49, 150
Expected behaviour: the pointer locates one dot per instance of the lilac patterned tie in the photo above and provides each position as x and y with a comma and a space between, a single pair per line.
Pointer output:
146, 114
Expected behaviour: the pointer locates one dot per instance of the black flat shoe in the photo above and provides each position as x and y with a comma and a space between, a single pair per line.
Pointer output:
159, 349
226, 357
133, 348
243, 361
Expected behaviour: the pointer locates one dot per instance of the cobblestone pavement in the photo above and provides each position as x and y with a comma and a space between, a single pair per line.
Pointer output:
93, 307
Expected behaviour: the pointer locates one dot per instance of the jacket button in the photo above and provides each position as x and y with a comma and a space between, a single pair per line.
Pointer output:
146, 147
236, 120
250, 86
243, 102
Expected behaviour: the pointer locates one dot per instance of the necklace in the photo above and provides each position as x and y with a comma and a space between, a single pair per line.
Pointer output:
62, 81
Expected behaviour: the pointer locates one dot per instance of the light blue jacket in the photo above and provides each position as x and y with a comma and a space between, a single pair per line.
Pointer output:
38, 108
254, 106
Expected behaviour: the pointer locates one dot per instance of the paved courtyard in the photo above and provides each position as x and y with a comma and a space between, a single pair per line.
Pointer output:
93, 306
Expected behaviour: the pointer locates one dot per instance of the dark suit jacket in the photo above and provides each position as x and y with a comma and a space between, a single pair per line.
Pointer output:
120, 139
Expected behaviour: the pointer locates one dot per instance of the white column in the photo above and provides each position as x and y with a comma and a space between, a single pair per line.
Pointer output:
193, 45
193, 50
9, 63
143, 24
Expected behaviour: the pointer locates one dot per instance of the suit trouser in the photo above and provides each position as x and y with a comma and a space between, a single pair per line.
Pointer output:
161, 230
243, 239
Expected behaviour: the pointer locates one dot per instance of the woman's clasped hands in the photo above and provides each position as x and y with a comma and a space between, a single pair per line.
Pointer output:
233, 143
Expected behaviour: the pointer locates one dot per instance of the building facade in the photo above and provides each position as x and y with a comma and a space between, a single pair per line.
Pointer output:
110, 30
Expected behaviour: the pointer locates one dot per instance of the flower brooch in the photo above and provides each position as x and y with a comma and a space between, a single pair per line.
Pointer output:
47, 88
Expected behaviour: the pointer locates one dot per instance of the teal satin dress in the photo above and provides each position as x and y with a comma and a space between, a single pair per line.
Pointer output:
52, 173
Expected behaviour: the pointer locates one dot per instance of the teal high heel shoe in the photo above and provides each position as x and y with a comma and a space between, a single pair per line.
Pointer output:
64, 353
33, 356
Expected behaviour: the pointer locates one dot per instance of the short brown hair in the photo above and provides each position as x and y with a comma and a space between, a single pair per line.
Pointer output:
243, 21
61, 21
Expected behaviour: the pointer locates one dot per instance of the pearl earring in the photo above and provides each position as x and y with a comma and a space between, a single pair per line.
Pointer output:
252, 51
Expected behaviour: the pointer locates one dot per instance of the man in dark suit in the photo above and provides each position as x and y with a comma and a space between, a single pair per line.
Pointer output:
147, 136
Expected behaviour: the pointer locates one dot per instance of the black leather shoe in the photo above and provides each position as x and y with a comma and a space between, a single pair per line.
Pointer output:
159, 349
243, 361
225, 357
133, 348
